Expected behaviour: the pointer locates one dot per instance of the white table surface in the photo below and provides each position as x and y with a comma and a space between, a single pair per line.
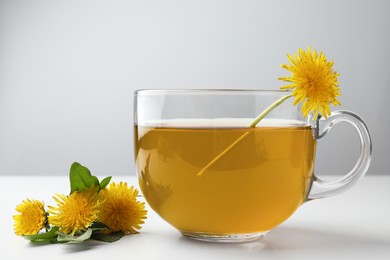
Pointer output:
352, 225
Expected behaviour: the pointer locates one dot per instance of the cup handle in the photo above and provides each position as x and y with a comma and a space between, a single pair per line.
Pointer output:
320, 188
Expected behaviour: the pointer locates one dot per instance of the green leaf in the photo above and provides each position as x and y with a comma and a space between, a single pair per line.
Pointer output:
105, 182
108, 237
74, 239
81, 178
49, 236
98, 226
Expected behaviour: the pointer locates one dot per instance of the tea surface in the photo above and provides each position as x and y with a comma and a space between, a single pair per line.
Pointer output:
255, 186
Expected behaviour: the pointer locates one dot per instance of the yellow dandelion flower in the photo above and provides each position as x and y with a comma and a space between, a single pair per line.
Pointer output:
76, 211
32, 217
313, 81
120, 210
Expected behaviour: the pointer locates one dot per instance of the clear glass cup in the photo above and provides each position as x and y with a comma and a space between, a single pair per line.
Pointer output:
213, 177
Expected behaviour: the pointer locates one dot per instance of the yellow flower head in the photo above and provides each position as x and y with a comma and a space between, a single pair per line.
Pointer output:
76, 211
313, 81
120, 210
32, 217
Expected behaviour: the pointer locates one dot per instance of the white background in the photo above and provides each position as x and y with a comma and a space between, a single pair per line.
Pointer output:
68, 70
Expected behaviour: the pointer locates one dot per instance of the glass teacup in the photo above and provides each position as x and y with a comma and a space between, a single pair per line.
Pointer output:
213, 177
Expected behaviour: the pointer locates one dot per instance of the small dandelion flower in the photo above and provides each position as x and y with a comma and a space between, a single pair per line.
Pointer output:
313, 81
32, 217
75, 212
120, 210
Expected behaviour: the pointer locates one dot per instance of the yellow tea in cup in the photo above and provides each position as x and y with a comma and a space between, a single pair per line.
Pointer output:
257, 185
214, 175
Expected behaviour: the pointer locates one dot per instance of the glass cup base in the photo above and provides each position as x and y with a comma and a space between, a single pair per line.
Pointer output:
224, 238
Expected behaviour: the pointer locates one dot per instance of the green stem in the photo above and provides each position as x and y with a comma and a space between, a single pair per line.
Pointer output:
252, 125
269, 109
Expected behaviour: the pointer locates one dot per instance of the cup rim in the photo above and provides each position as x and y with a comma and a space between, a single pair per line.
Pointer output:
208, 91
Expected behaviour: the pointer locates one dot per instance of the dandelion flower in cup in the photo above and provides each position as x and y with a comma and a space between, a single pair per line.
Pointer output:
32, 217
76, 211
313, 81
120, 210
